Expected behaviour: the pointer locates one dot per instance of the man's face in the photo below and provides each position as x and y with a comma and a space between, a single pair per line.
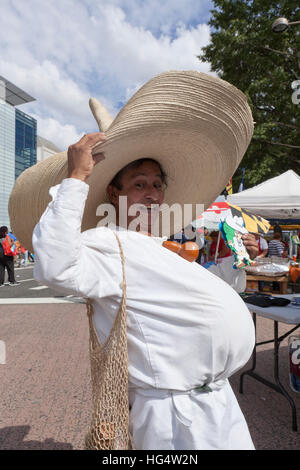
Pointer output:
143, 186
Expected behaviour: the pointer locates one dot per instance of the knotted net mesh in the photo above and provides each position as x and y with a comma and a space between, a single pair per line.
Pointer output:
109, 427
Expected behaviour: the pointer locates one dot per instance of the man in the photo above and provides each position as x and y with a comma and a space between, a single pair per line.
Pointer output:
188, 331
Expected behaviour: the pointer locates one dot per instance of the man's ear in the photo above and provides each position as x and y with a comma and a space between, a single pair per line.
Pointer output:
112, 193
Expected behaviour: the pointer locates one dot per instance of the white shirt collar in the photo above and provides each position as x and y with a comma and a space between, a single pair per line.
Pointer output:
118, 228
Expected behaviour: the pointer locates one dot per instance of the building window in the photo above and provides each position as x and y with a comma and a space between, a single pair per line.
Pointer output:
25, 149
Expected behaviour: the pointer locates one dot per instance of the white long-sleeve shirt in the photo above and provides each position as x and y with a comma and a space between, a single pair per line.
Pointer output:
178, 313
186, 327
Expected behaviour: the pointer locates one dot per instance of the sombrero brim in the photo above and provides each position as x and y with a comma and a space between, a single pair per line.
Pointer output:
197, 126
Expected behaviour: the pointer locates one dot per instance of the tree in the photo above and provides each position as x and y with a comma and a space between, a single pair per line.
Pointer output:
247, 53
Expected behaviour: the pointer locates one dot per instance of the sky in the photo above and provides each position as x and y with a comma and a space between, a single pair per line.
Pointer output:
64, 52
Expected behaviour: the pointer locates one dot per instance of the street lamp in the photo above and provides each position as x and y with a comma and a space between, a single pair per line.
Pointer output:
282, 24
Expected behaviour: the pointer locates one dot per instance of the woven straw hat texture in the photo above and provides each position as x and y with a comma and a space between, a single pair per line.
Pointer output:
197, 126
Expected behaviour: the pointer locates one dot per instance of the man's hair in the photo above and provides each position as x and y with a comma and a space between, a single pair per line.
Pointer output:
277, 228
117, 179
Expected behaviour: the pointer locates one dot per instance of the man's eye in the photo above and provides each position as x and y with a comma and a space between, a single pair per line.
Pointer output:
158, 186
139, 185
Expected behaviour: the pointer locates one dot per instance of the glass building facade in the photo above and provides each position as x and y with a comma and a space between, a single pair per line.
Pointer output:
7, 158
17, 141
25, 148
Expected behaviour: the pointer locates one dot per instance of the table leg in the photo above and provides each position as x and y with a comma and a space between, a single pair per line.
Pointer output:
278, 387
283, 286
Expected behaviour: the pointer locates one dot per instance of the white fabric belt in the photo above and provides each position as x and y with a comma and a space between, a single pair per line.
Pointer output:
179, 398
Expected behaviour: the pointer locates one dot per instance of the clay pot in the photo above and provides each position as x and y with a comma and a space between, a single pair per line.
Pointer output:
189, 251
173, 246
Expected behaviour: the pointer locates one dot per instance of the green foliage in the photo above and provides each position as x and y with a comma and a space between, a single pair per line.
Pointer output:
247, 53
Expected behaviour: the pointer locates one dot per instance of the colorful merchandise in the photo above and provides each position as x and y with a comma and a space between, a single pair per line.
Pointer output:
232, 230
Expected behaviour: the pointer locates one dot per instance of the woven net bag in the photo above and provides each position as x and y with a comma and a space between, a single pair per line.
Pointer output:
109, 427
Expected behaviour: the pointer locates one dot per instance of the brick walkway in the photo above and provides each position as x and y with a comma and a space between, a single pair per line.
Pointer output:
45, 394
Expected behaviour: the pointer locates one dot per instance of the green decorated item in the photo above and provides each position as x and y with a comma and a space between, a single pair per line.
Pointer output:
232, 229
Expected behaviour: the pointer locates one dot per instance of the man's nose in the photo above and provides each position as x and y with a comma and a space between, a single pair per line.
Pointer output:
151, 198
151, 194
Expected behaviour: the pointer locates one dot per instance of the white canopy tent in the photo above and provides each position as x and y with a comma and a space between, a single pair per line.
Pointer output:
276, 198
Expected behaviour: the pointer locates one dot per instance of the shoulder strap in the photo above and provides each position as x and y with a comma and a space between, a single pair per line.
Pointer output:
123, 269
123, 304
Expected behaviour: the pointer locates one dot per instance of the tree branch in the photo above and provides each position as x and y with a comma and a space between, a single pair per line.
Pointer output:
279, 143
286, 125
267, 48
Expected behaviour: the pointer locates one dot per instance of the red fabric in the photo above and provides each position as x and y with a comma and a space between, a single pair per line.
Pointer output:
22, 249
7, 249
213, 247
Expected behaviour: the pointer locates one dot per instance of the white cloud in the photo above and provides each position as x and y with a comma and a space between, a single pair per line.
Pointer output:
64, 52
135, 54
161, 17
45, 81
62, 135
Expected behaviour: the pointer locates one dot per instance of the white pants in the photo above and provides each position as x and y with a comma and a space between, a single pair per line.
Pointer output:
168, 420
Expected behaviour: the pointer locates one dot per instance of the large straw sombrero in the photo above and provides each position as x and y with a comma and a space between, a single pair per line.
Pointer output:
197, 126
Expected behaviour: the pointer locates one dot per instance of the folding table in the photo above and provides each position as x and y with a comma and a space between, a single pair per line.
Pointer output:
289, 315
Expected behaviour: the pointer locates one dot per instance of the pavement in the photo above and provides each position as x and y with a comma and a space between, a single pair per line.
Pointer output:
31, 291
45, 390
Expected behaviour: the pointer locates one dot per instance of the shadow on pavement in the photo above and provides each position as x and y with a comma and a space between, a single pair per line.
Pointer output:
12, 438
267, 412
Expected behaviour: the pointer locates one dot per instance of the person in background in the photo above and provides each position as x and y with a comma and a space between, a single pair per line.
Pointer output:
262, 253
18, 256
23, 256
7, 257
179, 237
276, 247
278, 229
285, 246
262, 246
223, 252
207, 241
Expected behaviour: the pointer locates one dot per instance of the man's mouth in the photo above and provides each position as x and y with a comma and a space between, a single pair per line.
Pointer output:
149, 209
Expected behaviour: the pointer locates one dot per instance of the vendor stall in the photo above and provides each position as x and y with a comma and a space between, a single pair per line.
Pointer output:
269, 275
277, 198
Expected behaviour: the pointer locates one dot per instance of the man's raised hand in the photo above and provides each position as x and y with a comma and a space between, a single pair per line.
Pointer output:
80, 159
